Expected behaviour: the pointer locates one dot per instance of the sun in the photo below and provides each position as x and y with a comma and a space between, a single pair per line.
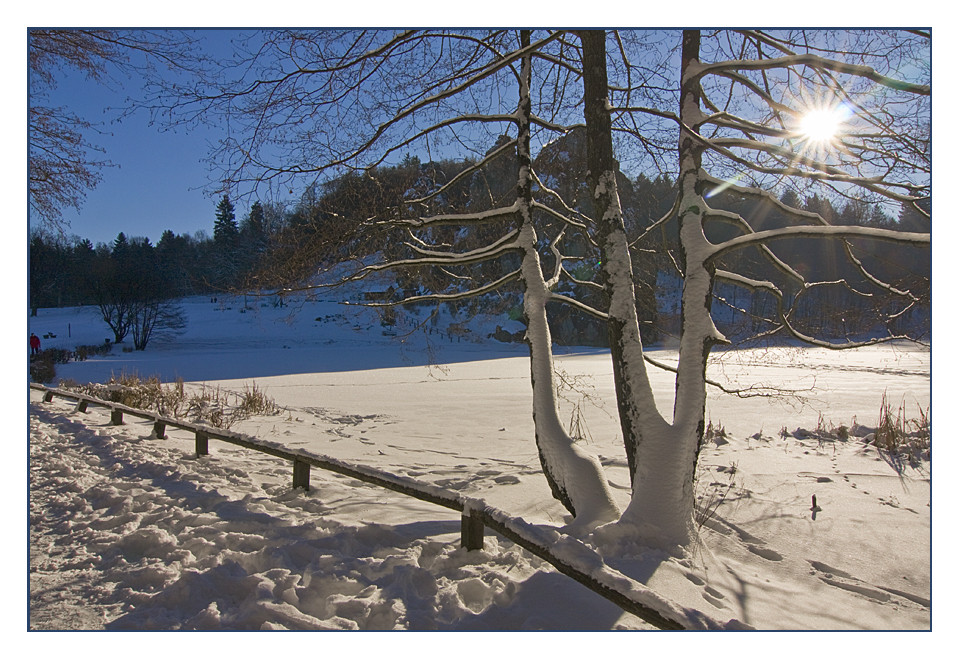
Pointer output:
821, 125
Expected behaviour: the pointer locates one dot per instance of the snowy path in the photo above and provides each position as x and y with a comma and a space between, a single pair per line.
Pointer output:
135, 533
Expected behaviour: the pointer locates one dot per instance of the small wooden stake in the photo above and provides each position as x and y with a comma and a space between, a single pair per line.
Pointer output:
202, 444
471, 531
48, 396
301, 474
116, 416
82, 406
159, 428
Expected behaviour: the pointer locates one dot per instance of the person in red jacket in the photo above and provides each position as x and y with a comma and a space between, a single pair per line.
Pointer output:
34, 344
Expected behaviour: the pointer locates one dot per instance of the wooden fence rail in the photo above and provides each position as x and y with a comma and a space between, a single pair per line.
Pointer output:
586, 567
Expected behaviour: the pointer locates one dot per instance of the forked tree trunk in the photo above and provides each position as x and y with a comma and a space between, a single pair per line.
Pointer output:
663, 495
661, 456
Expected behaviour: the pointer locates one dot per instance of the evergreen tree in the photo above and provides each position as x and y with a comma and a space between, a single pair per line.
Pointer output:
80, 260
253, 237
177, 262
791, 198
120, 245
226, 236
225, 230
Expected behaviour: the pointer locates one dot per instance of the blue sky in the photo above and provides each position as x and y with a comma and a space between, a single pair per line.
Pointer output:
159, 178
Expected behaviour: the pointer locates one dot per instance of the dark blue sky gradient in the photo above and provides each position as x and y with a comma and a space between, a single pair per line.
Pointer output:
159, 180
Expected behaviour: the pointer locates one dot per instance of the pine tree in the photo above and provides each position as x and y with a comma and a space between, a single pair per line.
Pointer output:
226, 236
225, 230
120, 245
253, 233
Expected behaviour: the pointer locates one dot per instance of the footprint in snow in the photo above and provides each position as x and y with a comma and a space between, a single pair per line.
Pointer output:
845, 581
763, 552
695, 579
714, 597
715, 593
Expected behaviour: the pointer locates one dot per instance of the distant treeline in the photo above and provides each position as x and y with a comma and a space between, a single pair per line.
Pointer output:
276, 245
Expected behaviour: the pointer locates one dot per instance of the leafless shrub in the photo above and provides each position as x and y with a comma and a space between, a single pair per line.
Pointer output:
206, 404
903, 436
717, 493
715, 434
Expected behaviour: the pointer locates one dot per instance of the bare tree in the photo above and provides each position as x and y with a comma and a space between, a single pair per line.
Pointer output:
156, 320
379, 94
883, 152
431, 89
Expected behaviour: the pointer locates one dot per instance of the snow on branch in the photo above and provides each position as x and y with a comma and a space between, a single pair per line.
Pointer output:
761, 237
802, 215
699, 70
785, 267
822, 343
747, 282
582, 282
558, 259
573, 302
564, 219
486, 216
497, 248
444, 258
767, 196
659, 222
870, 277
783, 316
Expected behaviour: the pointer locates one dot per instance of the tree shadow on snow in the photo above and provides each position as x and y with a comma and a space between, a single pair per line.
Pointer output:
546, 601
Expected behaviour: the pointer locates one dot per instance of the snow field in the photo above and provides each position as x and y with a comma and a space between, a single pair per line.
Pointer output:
347, 555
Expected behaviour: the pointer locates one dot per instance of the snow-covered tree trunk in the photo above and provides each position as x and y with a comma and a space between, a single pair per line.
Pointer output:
663, 492
575, 477
660, 510
637, 407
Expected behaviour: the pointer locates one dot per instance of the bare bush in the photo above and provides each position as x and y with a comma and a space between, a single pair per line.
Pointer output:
209, 405
903, 436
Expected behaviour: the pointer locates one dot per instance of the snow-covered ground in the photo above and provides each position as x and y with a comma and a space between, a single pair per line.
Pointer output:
131, 532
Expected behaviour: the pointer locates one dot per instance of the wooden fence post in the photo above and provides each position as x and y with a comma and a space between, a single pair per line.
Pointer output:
301, 474
48, 396
159, 428
82, 406
202, 444
471, 531
116, 416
